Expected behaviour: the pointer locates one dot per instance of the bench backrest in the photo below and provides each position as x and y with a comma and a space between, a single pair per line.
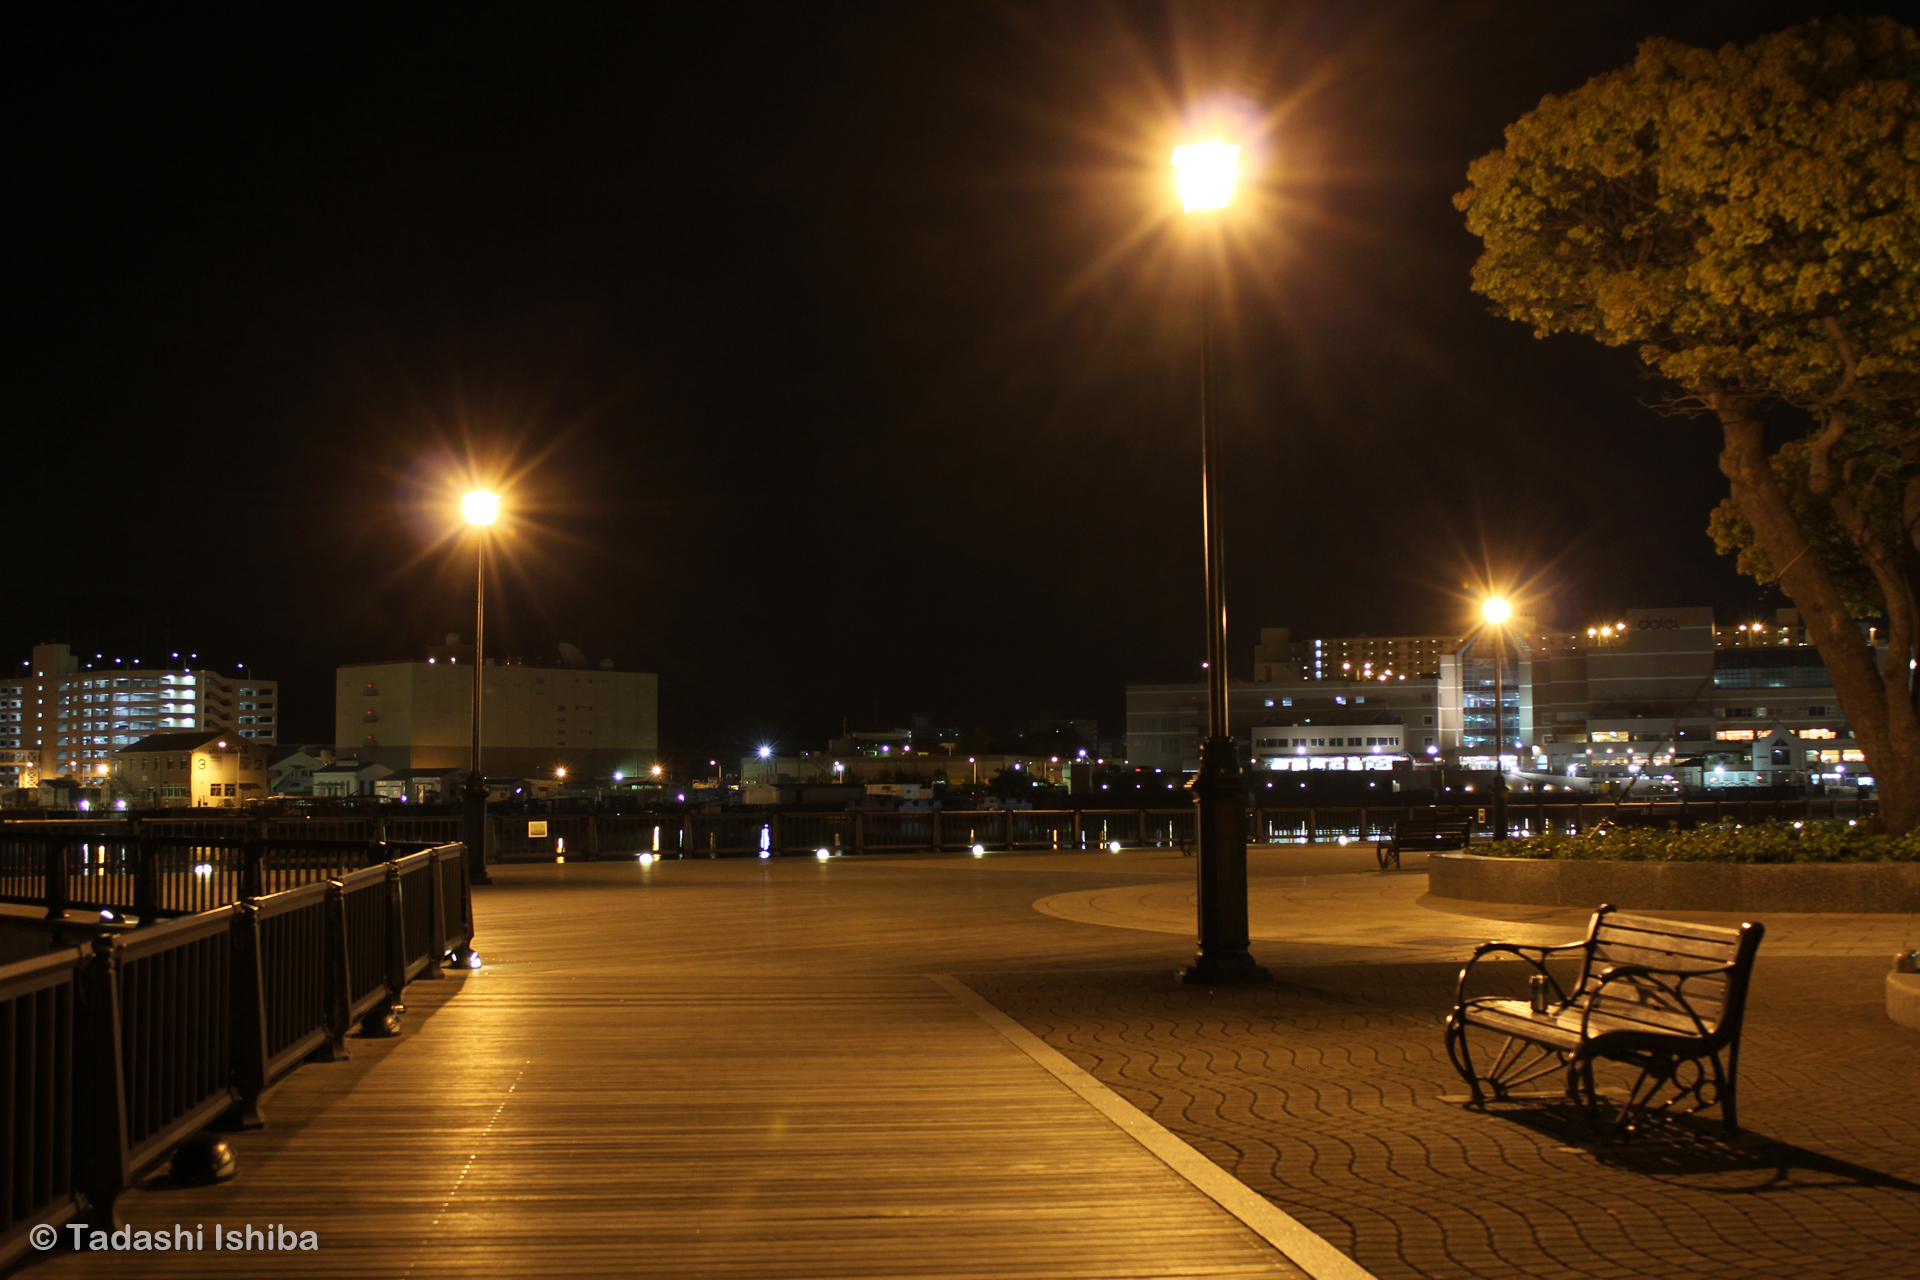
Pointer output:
1717, 1000
1431, 828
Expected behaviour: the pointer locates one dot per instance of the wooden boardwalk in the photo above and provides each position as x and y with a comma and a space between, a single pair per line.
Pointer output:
726, 1069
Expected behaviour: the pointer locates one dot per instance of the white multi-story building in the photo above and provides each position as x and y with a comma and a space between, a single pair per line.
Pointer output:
72, 714
1650, 692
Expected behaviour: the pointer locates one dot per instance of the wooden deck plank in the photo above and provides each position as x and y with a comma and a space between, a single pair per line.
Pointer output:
584, 1108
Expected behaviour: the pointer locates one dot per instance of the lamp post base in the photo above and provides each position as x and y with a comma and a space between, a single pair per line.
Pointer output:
1208, 971
1220, 812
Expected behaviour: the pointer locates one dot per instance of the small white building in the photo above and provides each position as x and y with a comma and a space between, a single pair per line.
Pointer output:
1329, 746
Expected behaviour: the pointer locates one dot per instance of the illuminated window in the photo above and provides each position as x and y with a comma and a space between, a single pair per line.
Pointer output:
1818, 733
1730, 735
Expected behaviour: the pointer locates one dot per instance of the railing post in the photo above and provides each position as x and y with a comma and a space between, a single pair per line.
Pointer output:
593, 836
938, 845
1313, 825
859, 833
437, 917
248, 1019
384, 1020
146, 892
339, 977
101, 1170
463, 954
773, 835
53, 876
253, 853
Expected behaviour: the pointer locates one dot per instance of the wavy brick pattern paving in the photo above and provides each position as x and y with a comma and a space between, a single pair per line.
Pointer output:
1324, 1093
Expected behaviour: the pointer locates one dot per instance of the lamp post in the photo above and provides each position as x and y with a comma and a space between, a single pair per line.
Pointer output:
481, 510
1205, 174
1496, 611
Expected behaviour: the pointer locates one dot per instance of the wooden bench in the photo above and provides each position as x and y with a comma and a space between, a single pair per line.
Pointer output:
1662, 997
1431, 834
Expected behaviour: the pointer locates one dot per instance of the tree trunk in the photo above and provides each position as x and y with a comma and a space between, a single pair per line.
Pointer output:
1879, 705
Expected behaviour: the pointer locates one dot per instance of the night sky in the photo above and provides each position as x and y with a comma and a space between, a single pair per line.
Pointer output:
840, 359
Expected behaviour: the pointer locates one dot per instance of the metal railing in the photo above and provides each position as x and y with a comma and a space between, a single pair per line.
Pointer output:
748, 832
113, 1054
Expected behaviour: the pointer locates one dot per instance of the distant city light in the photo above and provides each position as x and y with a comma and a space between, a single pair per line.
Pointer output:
766, 752
1496, 610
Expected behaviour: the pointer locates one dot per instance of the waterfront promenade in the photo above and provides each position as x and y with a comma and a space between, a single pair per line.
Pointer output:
928, 1066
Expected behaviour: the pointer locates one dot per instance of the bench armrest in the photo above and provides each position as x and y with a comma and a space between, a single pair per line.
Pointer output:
1533, 955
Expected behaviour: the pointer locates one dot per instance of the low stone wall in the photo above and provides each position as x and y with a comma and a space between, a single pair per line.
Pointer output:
1850, 887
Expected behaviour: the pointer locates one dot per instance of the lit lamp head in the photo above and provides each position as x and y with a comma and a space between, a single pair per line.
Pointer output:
1204, 173
1496, 611
480, 507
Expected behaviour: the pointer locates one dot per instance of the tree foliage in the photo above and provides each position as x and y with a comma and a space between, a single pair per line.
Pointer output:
1744, 218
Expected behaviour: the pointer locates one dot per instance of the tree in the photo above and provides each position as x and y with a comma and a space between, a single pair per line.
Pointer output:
1745, 218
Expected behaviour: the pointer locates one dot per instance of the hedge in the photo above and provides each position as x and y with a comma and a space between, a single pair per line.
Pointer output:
1761, 842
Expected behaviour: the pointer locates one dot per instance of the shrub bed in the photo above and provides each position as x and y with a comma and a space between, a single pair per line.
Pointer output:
1767, 842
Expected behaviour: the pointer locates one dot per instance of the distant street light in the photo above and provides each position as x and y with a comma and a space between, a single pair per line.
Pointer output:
481, 510
1496, 611
1205, 174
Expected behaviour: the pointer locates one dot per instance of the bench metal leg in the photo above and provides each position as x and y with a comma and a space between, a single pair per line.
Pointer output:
1518, 1062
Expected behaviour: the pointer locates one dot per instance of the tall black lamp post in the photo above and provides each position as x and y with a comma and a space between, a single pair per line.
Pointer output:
1205, 176
481, 509
1496, 611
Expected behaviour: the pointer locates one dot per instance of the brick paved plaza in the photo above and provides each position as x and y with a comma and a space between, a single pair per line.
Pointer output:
735, 1068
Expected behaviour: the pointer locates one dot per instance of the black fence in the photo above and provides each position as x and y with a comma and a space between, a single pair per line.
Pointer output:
113, 1054
515, 838
154, 869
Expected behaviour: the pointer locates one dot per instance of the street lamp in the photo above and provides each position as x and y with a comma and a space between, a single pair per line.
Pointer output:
1205, 174
1496, 611
481, 509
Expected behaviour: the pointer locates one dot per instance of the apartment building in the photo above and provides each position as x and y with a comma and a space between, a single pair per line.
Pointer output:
64, 714
418, 714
